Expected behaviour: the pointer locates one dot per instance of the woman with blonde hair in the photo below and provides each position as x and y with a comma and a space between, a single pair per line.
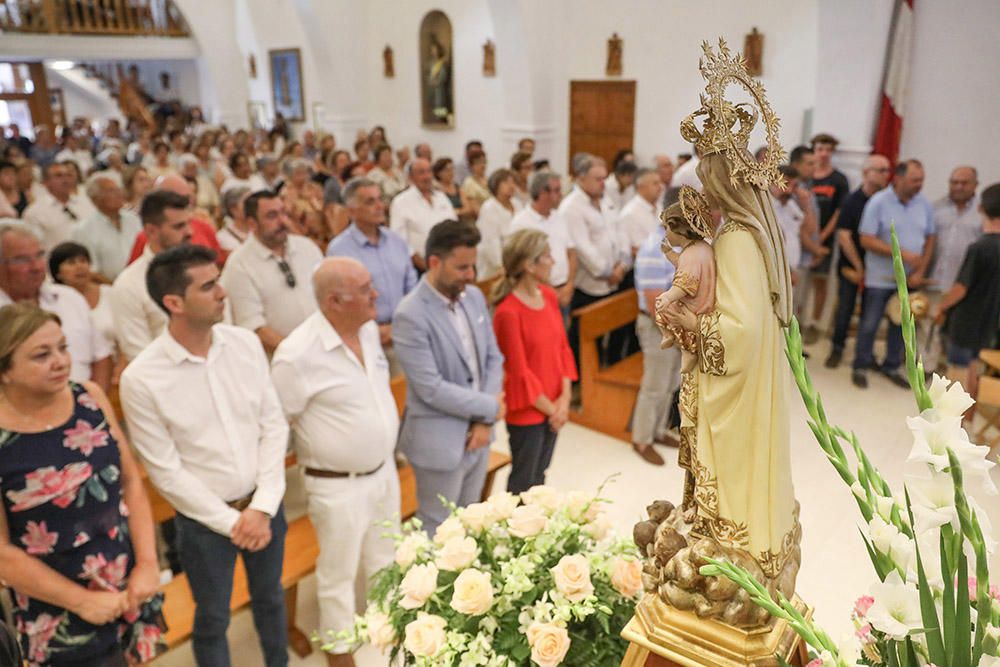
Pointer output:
538, 363
76, 530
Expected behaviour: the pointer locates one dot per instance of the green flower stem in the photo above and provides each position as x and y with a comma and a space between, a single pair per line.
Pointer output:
914, 367
974, 533
783, 609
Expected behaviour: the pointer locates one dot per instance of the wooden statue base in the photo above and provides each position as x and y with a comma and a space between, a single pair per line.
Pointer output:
662, 636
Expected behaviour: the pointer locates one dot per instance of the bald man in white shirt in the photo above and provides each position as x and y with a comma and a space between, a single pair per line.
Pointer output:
333, 381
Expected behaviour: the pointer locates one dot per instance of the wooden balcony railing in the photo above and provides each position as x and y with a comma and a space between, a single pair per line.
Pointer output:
158, 18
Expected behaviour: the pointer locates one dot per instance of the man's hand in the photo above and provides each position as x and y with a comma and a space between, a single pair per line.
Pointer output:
478, 437
143, 582
565, 294
385, 334
252, 531
617, 275
501, 407
916, 280
911, 258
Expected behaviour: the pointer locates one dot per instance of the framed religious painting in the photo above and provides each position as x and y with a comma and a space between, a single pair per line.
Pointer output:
437, 102
287, 91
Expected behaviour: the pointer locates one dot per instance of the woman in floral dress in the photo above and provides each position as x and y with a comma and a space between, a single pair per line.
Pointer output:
76, 531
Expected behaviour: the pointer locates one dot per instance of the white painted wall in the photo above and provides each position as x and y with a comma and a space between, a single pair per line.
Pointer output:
82, 95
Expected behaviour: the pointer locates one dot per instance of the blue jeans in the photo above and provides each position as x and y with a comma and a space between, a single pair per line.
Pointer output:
961, 356
209, 560
873, 303
847, 298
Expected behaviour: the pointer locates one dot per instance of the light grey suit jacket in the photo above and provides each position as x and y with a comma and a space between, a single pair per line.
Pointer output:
441, 401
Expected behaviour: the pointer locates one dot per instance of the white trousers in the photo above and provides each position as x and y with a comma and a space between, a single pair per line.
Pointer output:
348, 515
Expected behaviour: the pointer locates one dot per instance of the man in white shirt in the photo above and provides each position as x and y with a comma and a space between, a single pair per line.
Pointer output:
57, 211
639, 219
268, 277
665, 168
418, 208
333, 382
110, 232
600, 253
545, 189
790, 218
22, 278
387, 176
166, 219
204, 417
687, 173
74, 153
619, 187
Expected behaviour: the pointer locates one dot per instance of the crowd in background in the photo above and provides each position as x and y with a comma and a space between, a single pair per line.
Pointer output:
241, 291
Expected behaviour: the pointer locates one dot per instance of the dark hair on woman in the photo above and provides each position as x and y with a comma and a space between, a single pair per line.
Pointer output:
440, 165
381, 148
476, 156
620, 157
64, 252
497, 178
167, 272
345, 173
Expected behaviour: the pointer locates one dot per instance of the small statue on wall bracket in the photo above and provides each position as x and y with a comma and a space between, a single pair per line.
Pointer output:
252, 65
489, 58
753, 52
615, 47
388, 67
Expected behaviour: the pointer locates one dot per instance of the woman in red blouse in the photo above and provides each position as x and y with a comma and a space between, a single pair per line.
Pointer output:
538, 365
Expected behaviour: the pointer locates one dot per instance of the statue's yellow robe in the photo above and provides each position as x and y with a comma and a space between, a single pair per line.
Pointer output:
740, 458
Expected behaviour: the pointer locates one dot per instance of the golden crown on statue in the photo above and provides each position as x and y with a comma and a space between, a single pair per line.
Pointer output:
727, 126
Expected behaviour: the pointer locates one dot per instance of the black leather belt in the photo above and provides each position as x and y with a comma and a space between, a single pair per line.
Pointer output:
316, 472
241, 504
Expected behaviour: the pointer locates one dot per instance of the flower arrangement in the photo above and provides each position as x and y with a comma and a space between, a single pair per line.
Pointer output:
516, 580
924, 609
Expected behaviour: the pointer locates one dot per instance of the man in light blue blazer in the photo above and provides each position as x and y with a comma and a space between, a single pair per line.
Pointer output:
443, 335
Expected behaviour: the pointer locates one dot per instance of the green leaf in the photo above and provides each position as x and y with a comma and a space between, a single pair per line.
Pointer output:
961, 653
928, 611
948, 598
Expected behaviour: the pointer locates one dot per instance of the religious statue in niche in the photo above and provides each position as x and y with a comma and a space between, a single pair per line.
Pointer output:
252, 65
436, 84
738, 502
489, 59
753, 53
388, 67
615, 47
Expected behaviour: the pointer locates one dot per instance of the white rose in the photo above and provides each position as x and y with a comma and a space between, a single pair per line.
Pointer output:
543, 495
457, 553
527, 521
418, 585
626, 576
582, 506
477, 516
599, 527
572, 577
380, 631
408, 549
425, 636
452, 527
502, 505
473, 594
549, 644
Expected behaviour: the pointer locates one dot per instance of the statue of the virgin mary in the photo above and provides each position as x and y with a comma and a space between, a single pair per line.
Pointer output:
739, 501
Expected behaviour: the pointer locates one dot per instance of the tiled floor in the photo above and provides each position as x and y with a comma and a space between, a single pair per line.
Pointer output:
835, 568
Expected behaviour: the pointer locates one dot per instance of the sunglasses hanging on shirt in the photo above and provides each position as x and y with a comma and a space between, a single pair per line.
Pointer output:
287, 271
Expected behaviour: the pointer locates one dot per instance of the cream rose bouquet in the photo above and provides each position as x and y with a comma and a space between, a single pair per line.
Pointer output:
532, 579
929, 544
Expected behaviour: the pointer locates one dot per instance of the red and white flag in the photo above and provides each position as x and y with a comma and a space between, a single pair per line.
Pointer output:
894, 81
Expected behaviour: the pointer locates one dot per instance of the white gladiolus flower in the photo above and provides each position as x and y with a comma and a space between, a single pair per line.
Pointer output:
896, 610
984, 523
933, 501
933, 434
950, 400
887, 539
884, 505
989, 661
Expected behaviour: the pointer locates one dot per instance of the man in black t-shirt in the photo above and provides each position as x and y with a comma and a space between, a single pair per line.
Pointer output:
851, 267
972, 305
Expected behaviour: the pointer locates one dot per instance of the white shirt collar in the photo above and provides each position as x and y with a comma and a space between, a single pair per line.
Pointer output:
177, 353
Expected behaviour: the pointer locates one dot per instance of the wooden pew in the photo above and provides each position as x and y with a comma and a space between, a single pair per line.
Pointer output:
301, 551
607, 395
